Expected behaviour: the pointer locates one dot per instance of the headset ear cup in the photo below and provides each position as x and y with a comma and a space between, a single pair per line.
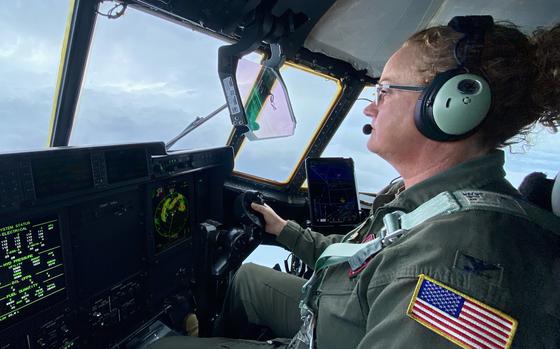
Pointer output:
423, 116
452, 106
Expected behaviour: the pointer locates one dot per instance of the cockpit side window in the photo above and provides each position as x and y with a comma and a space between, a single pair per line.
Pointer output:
30, 46
541, 155
372, 172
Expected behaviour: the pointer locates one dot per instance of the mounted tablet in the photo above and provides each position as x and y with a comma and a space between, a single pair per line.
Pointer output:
333, 199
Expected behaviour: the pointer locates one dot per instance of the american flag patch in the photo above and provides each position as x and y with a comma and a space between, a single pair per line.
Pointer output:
459, 318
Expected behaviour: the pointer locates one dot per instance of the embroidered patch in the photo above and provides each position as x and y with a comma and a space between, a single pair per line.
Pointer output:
500, 202
460, 318
489, 271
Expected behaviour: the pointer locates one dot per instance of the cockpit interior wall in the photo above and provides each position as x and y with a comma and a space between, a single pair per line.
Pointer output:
93, 241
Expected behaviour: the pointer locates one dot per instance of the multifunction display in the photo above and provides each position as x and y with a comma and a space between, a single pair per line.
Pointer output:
171, 209
31, 268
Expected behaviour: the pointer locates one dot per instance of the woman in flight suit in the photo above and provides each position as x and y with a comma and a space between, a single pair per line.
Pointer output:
419, 289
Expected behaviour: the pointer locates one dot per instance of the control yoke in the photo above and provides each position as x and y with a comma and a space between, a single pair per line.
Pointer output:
228, 247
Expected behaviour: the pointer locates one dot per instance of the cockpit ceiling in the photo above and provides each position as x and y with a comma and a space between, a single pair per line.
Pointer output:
366, 32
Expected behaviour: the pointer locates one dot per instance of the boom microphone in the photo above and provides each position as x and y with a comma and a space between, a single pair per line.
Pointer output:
367, 129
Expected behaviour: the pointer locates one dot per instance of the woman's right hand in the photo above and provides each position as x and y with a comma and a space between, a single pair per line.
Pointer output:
274, 223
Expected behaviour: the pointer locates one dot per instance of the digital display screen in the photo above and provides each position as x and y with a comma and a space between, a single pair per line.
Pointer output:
126, 164
171, 212
332, 191
62, 174
31, 268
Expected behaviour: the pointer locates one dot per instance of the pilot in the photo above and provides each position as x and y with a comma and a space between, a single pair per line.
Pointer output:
450, 255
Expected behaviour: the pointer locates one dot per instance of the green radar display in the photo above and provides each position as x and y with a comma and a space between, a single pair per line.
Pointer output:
171, 214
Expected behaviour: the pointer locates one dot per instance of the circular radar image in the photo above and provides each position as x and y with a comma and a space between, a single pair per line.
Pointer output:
171, 215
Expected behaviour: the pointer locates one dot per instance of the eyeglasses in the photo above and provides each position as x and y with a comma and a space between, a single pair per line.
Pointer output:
380, 89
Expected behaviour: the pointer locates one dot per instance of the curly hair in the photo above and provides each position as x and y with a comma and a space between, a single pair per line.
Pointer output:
523, 72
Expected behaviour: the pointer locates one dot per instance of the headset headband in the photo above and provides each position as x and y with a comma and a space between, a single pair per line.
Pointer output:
468, 50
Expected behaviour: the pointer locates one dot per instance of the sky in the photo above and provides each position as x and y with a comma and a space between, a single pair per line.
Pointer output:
147, 79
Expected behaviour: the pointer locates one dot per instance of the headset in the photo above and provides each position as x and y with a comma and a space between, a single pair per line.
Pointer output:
457, 100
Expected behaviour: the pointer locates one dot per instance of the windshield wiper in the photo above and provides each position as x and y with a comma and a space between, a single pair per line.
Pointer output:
193, 126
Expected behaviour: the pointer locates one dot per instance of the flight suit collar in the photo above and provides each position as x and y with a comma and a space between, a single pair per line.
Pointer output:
473, 174
387, 194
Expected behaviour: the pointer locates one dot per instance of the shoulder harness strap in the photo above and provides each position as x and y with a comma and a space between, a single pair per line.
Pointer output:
398, 223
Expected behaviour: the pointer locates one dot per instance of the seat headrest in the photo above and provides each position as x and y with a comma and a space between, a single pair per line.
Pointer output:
555, 197
537, 189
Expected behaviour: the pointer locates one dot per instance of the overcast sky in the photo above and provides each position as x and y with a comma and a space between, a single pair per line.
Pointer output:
147, 79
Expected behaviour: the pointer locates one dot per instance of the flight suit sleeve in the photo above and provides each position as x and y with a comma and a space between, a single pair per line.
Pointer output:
388, 326
305, 243
386, 296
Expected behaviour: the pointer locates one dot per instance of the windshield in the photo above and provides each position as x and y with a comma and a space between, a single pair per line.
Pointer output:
149, 87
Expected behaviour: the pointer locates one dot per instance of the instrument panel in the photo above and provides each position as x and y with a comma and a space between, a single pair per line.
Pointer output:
94, 240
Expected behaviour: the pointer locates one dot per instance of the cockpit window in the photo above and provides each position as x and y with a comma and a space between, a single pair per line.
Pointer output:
30, 45
146, 80
540, 156
372, 172
312, 96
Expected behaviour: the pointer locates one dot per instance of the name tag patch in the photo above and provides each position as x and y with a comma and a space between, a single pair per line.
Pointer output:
486, 199
460, 318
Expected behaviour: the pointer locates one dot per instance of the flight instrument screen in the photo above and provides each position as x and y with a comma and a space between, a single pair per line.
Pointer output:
171, 209
31, 269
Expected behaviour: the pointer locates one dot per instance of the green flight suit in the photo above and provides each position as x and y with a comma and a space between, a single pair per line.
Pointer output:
506, 262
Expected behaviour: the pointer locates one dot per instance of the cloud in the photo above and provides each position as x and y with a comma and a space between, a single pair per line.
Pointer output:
30, 40
146, 88
110, 116
25, 122
9, 48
